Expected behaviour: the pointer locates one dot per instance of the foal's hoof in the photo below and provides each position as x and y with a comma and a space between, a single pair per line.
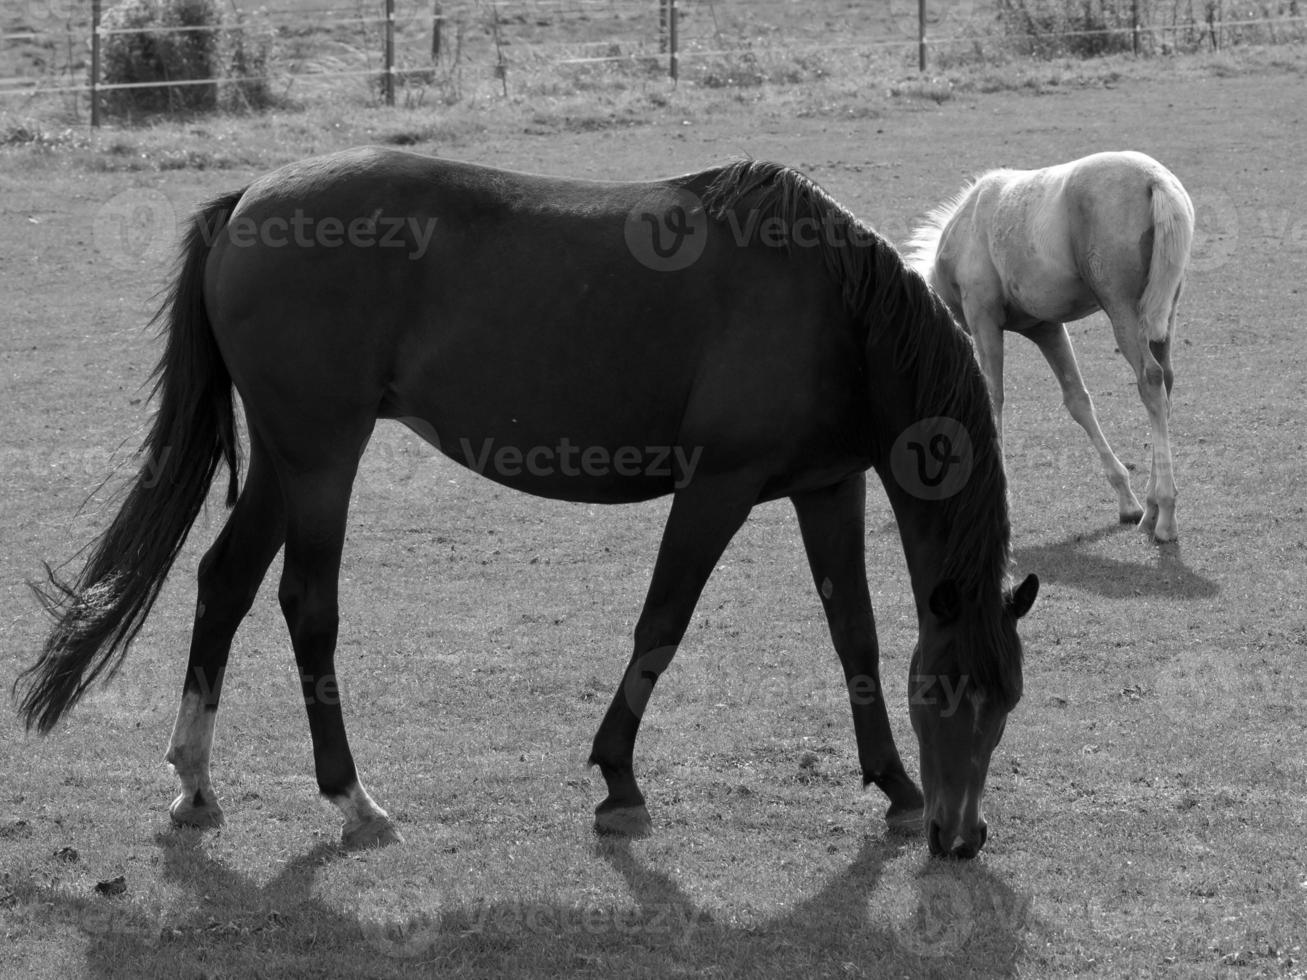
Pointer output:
905, 820
373, 832
623, 821
197, 810
1132, 516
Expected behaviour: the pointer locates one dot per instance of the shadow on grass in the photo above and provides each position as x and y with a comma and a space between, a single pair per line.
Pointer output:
1070, 562
891, 912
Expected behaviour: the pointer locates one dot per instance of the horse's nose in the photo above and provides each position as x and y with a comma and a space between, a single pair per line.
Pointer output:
952, 842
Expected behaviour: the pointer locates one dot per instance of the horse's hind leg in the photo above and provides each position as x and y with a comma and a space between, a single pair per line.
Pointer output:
1054, 343
229, 578
1161, 493
704, 517
1151, 362
832, 523
317, 504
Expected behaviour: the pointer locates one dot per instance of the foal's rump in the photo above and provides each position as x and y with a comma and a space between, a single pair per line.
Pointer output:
1127, 199
576, 339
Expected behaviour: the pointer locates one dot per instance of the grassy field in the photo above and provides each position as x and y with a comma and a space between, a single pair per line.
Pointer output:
1149, 801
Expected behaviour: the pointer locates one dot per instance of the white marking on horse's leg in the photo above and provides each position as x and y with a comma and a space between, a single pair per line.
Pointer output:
1159, 515
366, 823
188, 754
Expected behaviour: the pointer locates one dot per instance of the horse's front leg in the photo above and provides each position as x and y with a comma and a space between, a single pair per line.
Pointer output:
704, 517
984, 321
832, 523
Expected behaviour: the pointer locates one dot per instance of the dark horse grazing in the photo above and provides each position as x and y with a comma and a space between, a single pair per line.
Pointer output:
729, 337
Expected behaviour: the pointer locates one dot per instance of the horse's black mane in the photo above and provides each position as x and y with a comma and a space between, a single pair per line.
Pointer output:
890, 300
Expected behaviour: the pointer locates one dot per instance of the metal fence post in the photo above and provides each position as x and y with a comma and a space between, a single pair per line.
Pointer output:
95, 62
672, 17
388, 84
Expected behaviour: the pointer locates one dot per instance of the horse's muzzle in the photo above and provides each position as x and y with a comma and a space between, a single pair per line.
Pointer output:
954, 842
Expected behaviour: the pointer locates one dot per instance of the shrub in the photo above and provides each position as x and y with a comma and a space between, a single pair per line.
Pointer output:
183, 40
1047, 28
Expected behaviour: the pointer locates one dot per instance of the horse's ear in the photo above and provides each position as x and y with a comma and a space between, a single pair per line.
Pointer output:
1024, 596
945, 602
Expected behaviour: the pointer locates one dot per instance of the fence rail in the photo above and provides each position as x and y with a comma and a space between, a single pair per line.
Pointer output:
391, 47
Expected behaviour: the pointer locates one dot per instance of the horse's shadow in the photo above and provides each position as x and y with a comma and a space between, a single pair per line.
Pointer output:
934, 918
1071, 562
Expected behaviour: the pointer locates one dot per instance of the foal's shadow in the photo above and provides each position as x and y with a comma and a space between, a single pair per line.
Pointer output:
1072, 562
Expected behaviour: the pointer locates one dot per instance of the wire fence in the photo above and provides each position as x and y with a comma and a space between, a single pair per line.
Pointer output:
409, 48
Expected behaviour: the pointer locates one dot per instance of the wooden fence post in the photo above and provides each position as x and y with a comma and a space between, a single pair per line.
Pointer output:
437, 21
921, 35
388, 83
95, 62
672, 18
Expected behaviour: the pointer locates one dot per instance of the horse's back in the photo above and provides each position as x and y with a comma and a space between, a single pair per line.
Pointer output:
509, 310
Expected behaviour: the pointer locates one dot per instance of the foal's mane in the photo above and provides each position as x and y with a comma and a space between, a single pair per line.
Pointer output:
923, 245
896, 308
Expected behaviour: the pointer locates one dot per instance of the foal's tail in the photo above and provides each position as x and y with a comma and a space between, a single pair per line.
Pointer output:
99, 614
1173, 233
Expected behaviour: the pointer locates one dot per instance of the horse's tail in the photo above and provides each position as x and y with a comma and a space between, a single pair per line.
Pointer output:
99, 614
1173, 233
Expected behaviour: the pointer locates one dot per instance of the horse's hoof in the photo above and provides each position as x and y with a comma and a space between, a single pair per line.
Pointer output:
197, 810
623, 821
904, 820
1164, 535
1132, 516
374, 832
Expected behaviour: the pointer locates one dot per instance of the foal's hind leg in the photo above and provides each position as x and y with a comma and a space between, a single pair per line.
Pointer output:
704, 517
229, 578
1161, 493
317, 502
1055, 345
832, 523
1154, 383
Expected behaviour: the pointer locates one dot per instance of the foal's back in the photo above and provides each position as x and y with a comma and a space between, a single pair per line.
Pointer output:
1054, 244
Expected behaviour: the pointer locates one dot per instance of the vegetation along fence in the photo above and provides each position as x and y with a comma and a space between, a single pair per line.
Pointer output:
148, 56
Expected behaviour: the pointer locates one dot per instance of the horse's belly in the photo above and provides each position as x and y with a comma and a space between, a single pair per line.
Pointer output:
1046, 292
